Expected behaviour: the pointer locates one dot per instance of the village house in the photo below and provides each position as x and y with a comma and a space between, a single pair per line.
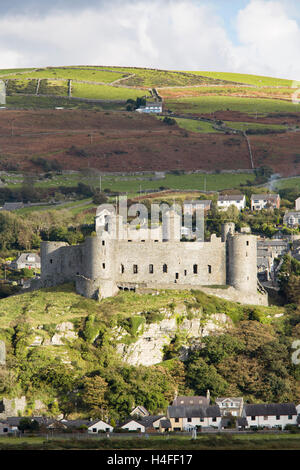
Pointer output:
267, 251
236, 200
27, 260
140, 412
145, 424
230, 406
265, 201
276, 415
186, 417
98, 425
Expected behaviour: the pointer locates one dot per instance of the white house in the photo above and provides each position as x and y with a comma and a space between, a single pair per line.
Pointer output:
154, 107
297, 204
99, 425
237, 200
133, 425
275, 415
230, 405
265, 201
27, 260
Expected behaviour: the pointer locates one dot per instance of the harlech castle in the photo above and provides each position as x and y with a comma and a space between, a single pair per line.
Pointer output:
105, 264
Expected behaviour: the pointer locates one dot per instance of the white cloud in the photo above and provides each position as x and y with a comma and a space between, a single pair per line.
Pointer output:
175, 34
270, 39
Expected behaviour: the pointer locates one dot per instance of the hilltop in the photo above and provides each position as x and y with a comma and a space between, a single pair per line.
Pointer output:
211, 112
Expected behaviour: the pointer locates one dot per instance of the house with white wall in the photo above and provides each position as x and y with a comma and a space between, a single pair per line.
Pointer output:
185, 417
230, 406
275, 415
236, 200
98, 425
265, 201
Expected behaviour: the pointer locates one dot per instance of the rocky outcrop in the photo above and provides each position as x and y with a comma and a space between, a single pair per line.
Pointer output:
2, 353
64, 331
148, 348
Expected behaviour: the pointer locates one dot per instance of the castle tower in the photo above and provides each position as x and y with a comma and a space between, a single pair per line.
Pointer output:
51, 260
97, 278
226, 229
242, 262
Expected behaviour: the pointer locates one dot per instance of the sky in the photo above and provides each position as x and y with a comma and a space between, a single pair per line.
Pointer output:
246, 36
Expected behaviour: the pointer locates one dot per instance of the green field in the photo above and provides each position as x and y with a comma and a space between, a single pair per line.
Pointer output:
133, 184
211, 104
248, 79
293, 183
243, 126
103, 92
196, 126
81, 74
196, 181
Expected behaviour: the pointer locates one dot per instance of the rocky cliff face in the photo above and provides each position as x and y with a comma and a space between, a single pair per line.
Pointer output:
148, 349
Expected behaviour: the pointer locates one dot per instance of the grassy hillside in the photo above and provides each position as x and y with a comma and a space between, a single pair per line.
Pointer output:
248, 79
43, 362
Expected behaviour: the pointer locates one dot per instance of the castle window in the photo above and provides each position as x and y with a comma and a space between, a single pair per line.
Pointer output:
165, 268
195, 269
103, 242
122, 269
209, 269
135, 269
185, 272
103, 265
143, 241
151, 269
247, 242
51, 261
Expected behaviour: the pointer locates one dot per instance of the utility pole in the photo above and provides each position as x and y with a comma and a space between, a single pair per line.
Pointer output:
100, 184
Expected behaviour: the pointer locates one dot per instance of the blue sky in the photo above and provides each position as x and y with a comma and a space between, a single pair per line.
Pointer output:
246, 36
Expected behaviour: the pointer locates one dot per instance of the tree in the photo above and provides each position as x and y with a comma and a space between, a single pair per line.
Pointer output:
99, 198
93, 395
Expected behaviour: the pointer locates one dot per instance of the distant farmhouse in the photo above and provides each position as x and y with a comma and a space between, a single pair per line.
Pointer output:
151, 107
237, 200
27, 260
265, 201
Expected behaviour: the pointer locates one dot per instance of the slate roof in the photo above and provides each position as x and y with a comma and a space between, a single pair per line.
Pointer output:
148, 421
231, 197
165, 423
77, 423
186, 401
194, 411
23, 258
265, 197
273, 409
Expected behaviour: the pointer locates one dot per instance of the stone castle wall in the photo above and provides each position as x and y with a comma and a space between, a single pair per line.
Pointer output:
101, 265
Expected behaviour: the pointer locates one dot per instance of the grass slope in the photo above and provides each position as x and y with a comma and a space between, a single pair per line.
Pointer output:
248, 79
